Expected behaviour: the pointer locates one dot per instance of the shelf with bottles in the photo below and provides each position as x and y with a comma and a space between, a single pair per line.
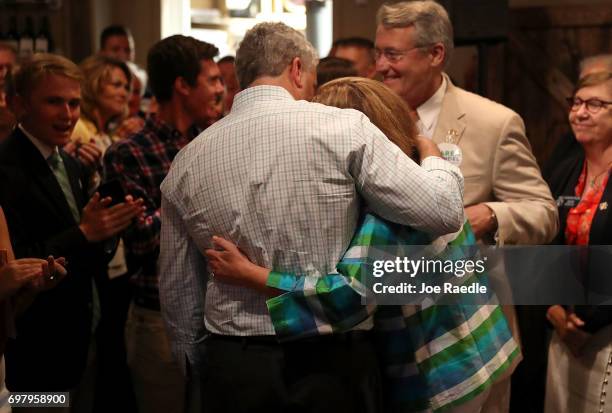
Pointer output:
25, 36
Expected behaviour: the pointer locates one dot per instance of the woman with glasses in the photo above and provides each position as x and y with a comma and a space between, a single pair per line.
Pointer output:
580, 352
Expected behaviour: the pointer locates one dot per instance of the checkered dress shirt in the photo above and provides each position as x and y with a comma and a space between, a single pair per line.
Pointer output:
286, 181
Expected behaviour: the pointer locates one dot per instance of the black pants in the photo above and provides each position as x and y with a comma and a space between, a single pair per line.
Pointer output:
337, 373
529, 378
114, 390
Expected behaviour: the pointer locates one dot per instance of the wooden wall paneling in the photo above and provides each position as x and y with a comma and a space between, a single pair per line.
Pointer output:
80, 30
355, 18
496, 70
536, 89
545, 47
143, 17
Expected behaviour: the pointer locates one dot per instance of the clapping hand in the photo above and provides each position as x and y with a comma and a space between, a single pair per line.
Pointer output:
129, 127
101, 221
88, 154
33, 273
52, 272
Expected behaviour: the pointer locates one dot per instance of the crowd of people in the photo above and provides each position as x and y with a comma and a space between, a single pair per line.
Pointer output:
184, 238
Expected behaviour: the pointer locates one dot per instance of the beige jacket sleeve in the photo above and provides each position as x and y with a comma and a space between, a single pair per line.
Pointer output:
526, 212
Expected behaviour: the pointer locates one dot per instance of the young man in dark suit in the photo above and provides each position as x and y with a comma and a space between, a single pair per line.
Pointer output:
44, 195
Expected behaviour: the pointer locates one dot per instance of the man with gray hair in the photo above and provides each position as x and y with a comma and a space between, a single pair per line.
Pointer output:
506, 196
285, 180
506, 199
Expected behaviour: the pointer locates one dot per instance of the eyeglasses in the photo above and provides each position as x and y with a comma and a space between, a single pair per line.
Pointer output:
592, 105
394, 55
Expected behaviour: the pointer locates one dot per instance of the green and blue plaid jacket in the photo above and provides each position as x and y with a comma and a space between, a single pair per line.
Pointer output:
433, 356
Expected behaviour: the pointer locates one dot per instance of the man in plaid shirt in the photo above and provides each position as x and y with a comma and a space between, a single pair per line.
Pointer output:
187, 85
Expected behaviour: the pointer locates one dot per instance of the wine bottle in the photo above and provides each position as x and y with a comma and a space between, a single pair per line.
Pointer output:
26, 41
43, 42
12, 35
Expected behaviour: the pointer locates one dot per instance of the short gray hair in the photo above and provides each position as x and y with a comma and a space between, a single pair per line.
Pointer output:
429, 19
268, 48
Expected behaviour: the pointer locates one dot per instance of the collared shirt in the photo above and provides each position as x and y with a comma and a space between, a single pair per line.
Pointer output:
45, 150
285, 180
430, 111
140, 163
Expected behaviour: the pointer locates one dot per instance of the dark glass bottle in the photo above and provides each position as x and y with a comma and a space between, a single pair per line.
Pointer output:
26, 40
12, 35
43, 42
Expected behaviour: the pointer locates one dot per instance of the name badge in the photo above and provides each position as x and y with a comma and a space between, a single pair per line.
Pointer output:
568, 201
451, 152
449, 149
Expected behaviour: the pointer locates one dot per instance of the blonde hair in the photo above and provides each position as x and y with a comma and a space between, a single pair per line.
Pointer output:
97, 70
39, 66
384, 108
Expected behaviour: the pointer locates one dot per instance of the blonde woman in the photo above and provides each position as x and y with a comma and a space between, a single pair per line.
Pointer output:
105, 93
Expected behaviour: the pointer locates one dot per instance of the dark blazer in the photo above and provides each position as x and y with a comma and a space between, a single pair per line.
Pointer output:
50, 351
562, 183
596, 262
566, 147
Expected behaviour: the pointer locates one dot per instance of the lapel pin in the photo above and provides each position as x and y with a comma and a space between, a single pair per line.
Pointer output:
603, 206
452, 136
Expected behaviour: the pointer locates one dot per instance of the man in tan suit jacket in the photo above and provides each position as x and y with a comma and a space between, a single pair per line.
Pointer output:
505, 194
506, 200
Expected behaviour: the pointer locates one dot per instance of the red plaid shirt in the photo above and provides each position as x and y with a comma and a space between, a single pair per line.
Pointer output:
140, 163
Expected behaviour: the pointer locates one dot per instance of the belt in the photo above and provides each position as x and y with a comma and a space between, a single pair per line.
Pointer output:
348, 337
146, 302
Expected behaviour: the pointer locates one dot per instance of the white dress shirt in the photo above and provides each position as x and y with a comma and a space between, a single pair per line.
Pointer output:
430, 111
